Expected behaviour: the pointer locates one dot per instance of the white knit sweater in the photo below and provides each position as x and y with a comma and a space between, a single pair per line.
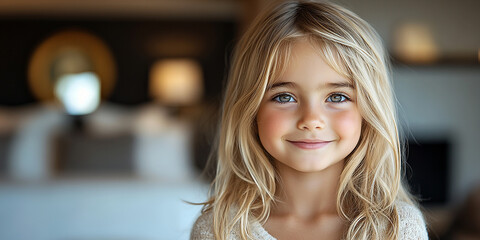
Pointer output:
412, 226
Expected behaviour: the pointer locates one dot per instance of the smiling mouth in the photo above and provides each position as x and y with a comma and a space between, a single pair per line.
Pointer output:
309, 144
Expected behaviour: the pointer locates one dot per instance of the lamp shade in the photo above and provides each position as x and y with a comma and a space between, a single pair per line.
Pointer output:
176, 82
414, 43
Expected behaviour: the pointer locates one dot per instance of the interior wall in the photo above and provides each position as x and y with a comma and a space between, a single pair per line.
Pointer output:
135, 44
442, 103
454, 25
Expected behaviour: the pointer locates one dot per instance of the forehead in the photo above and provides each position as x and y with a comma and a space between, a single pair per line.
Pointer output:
304, 56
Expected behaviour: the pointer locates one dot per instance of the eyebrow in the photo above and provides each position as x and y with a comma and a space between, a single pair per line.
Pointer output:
281, 84
342, 84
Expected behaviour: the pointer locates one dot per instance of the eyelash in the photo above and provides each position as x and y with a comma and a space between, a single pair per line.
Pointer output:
276, 98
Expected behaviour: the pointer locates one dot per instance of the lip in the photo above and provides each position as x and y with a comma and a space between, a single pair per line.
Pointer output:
309, 144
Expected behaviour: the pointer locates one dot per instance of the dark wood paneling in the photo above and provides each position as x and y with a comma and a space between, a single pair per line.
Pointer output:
135, 44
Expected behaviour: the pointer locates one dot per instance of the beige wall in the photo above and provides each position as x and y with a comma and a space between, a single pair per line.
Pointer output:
454, 24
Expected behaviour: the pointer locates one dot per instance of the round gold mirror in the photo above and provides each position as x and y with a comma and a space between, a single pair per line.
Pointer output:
70, 52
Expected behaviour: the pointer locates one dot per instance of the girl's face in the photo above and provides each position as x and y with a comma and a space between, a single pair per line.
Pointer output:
308, 119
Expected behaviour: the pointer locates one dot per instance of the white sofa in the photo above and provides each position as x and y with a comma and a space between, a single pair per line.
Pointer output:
149, 204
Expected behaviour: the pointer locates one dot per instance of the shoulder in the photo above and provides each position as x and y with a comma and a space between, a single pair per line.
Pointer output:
411, 223
203, 227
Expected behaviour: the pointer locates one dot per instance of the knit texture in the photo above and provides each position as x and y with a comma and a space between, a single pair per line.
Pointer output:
411, 227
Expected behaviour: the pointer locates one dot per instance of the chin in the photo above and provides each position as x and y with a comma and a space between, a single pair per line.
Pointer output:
311, 167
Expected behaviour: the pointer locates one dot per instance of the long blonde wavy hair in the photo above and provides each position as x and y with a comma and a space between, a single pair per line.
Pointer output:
370, 184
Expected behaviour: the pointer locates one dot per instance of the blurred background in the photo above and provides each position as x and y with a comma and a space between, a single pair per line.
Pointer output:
108, 110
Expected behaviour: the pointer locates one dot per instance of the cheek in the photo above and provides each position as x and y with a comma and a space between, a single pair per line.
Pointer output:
271, 124
348, 124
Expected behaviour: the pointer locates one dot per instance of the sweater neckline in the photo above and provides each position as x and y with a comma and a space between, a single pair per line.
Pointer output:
258, 229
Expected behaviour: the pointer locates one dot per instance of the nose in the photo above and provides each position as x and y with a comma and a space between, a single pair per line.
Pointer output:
311, 118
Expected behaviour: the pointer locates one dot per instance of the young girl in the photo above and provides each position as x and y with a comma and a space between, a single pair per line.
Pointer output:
309, 146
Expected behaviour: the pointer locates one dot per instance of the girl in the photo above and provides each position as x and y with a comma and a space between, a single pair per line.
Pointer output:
309, 146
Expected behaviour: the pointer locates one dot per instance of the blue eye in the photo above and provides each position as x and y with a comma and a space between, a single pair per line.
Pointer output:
337, 98
283, 98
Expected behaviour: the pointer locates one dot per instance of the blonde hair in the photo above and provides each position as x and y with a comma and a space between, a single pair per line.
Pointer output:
245, 183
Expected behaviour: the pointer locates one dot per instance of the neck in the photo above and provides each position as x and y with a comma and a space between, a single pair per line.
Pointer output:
307, 195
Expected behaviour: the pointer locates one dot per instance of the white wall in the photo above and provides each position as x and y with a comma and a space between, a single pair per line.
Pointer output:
444, 101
